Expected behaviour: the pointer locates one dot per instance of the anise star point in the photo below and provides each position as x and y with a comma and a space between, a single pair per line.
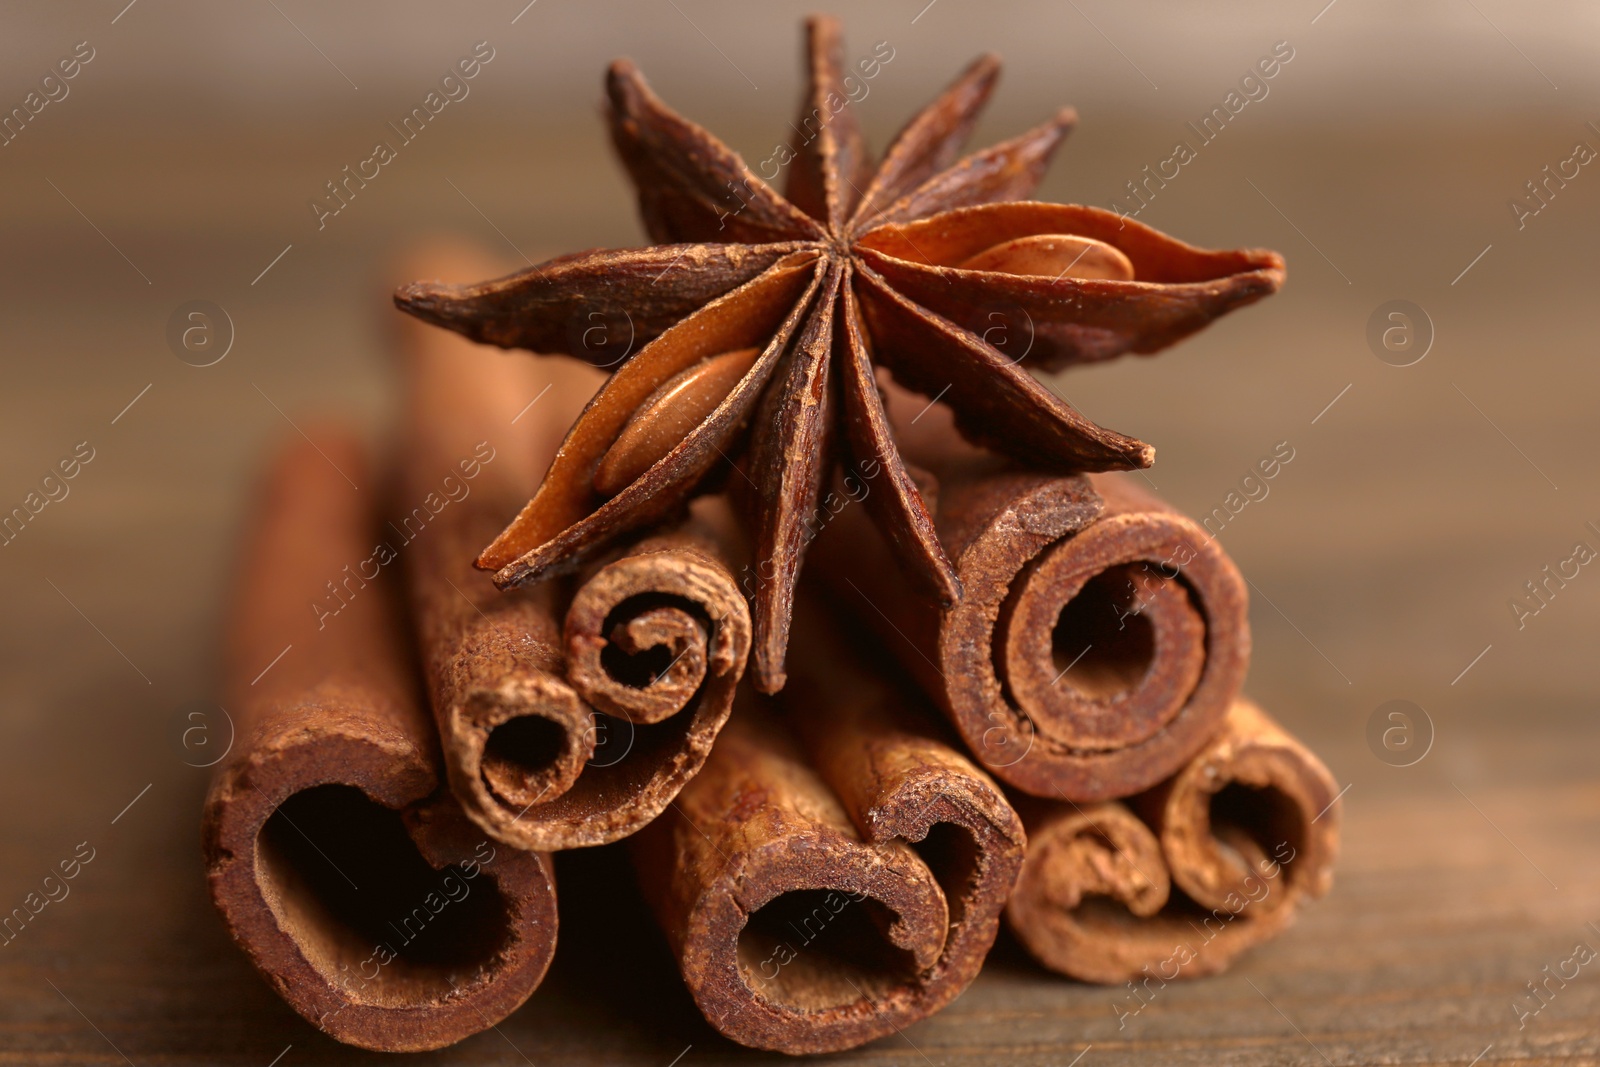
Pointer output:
763, 318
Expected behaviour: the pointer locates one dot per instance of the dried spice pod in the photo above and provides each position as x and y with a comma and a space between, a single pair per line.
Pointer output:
820, 895
1101, 637
600, 307
1068, 316
346, 873
568, 521
659, 637
1177, 882
830, 280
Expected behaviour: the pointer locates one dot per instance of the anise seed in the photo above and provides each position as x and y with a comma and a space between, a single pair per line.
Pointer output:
847, 232
678, 405
1054, 255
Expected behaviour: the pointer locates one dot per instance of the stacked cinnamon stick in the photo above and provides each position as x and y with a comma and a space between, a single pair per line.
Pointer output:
347, 828
1095, 666
1001, 689
837, 864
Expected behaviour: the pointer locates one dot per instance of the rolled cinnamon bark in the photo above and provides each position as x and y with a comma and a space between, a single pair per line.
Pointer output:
556, 734
348, 876
1101, 635
823, 894
656, 642
1177, 882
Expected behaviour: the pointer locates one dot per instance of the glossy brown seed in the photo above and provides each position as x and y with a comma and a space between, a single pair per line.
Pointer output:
859, 252
567, 524
1178, 288
530, 706
1054, 255
678, 405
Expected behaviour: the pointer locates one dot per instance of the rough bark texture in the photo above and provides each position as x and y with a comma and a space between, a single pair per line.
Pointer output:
534, 763
1177, 882
657, 641
824, 893
645, 632
1100, 637
351, 880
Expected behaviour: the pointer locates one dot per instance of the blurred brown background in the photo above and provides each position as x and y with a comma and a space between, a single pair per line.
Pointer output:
1382, 161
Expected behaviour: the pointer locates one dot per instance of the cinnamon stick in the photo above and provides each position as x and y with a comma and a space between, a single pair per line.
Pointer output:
821, 894
351, 880
562, 726
656, 642
1179, 881
1100, 638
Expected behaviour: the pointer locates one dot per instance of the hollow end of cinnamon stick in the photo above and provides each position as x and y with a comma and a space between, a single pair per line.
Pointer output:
663, 624
1100, 638
514, 734
515, 738
353, 883
572, 711
657, 640
822, 891
1253, 802
1178, 882
1120, 647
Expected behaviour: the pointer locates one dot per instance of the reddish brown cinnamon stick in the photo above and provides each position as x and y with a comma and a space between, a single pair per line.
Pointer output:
657, 641
637, 629
822, 895
356, 886
1100, 637
657, 637
1176, 883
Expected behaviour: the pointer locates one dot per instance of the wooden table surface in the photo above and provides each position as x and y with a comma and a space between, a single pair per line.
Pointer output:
1383, 562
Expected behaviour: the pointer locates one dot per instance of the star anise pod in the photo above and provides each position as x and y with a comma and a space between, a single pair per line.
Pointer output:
762, 321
